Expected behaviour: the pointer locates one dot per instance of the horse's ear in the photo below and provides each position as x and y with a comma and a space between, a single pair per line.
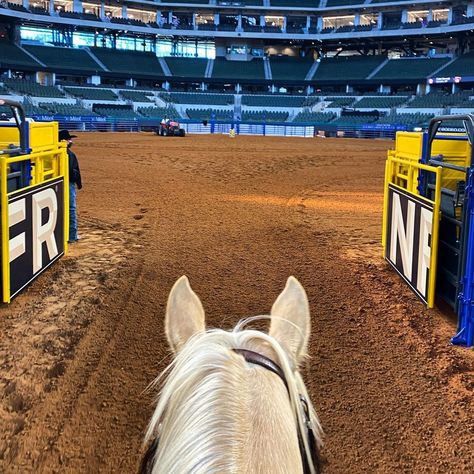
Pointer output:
184, 314
290, 323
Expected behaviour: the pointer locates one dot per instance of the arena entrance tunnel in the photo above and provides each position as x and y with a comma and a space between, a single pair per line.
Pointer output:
428, 224
34, 198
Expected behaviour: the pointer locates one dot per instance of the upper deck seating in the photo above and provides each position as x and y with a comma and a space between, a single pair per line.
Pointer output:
337, 3
11, 56
129, 62
187, 67
38, 10
295, 3
238, 69
204, 2
64, 58
462, 66
289, 68
347, 68
409, 68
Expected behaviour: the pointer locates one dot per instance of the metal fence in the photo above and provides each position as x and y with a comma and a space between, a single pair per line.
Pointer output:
275, 129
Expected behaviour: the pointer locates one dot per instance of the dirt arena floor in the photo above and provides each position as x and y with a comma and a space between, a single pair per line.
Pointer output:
79, 347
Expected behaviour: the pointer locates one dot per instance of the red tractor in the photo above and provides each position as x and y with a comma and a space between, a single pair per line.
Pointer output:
170, 128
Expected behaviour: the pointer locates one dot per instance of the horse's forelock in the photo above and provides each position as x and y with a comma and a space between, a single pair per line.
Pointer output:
211, 351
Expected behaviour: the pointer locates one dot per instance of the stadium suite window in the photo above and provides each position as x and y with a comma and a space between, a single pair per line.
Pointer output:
44, 35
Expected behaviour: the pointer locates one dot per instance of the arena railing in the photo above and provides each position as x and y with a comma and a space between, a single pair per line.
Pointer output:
283, 129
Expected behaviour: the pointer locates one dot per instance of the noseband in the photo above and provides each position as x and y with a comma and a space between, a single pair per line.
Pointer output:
265, 362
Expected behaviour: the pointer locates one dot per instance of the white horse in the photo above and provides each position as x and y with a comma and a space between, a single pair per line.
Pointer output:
234, 402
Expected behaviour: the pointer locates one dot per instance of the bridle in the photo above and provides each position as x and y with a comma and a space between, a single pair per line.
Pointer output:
265, 362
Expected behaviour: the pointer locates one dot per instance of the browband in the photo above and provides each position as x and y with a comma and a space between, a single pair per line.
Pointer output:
263, 361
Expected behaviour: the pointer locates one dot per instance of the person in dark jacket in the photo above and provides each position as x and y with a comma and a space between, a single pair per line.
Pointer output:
74, 182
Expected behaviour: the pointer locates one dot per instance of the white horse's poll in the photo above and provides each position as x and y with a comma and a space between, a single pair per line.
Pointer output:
234, 402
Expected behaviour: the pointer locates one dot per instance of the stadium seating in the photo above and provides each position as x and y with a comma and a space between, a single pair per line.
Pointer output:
32, 88
64, 58
273, 100
200, 98
462, 66
379, 102
408, 120
360, 28
158, 112
187, 67
264, 116
29, 109
289, 68
348, 68
66, 109
125, 62
314, 117
115, 111
90, 93
224, 69
338, 3
17, 7
38, 10
135, 96
354, 120
438, 100
12, 56
412, 25
409, 68
337, 102
203, 2
208, 114
66, 14
295, 3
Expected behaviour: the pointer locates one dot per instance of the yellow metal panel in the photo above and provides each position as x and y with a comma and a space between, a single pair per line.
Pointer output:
49, 160
9, 136
43, 136
408, 145
435, 240
5, 237
404, 174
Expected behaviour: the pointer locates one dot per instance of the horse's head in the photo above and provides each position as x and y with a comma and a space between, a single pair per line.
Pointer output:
234, 401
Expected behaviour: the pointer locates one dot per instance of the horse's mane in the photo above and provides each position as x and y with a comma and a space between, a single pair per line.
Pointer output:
190, 415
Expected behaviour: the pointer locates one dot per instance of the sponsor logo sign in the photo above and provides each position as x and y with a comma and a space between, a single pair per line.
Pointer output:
36, 231
409, 239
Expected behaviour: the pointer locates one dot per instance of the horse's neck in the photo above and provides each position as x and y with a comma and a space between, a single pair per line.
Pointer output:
249, 429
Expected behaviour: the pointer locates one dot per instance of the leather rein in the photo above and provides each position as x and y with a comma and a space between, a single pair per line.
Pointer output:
265, 362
